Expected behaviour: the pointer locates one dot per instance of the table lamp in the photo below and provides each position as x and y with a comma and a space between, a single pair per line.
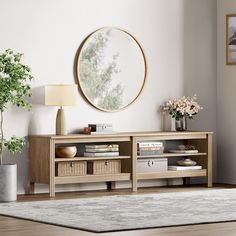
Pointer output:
61, 95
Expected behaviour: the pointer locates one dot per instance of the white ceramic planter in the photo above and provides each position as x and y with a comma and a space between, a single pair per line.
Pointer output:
8, 183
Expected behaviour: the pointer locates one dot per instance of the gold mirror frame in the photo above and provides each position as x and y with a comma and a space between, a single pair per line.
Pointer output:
79, 53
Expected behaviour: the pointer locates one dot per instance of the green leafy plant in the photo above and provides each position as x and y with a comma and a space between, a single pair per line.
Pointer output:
14, 90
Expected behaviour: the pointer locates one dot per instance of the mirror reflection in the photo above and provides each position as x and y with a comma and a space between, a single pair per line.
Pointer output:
111, 69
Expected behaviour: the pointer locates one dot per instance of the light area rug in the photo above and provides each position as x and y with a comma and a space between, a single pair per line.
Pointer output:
128, 212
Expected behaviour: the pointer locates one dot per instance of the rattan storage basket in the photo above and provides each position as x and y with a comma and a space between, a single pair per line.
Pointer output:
102, 167
70, 168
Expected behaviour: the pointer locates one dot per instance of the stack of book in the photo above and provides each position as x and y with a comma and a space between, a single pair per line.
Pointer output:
184, 167
100, 150
150, 148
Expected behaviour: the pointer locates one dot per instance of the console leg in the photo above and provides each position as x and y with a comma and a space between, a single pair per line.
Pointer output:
186, 181
52, 190
111, 185
32, 188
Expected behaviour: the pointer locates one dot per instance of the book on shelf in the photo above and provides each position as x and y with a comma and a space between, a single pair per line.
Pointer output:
97, 146
150, 152
184, 167
150, 144
110, 149
151, 148
144, 151
101, 154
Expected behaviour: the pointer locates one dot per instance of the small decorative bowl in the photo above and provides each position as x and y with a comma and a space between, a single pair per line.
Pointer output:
186, 147
186, 162
66, 152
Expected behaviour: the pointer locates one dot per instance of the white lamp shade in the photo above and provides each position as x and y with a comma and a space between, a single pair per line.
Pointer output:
61, 95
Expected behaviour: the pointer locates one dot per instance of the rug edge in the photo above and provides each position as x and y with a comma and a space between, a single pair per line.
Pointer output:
117, 230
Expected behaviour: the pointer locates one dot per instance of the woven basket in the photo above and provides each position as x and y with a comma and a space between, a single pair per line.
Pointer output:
104, 167
71, 168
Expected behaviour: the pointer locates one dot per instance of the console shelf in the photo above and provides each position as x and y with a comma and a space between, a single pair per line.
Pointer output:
172, 174
167, 154
91, 158
43, 162
92, 178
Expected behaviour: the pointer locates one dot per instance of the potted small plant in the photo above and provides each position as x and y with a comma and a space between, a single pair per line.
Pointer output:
14, 89
181, 109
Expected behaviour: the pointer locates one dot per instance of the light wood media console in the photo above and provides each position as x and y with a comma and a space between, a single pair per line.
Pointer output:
43, 160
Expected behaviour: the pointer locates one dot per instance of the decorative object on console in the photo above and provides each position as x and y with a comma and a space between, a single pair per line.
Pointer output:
150, 148
87, 130
101, 127
231, 39
185, 149
65, 151
186, 162
61, 95
111, 69
181, 124
14, 89
181, 109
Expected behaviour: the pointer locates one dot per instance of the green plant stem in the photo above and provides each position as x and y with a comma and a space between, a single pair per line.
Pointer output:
2, 139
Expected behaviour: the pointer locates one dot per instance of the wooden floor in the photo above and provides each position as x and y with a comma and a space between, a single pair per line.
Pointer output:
16, 227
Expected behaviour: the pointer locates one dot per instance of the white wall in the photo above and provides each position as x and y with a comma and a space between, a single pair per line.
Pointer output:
226, 97
49, 33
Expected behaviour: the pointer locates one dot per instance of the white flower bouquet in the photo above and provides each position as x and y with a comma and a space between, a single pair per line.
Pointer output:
183, 107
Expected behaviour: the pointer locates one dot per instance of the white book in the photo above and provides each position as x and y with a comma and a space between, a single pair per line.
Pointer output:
184, 167
150, 148
101, 154
110, 149
98, 146
150, 144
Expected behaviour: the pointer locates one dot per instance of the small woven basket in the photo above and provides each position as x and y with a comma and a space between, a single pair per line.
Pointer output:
104, 167
71, 168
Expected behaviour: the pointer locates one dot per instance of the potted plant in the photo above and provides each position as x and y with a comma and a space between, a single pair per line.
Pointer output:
181, 109
14, 89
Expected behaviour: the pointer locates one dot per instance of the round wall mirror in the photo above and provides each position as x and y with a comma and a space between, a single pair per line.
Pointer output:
111, 69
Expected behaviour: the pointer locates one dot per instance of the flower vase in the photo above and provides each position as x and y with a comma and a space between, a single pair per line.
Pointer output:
181, 124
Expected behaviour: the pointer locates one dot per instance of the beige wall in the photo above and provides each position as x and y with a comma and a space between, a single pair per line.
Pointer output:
179, 47
226, 97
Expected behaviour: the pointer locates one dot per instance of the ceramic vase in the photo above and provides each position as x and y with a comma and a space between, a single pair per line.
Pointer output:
8, 183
